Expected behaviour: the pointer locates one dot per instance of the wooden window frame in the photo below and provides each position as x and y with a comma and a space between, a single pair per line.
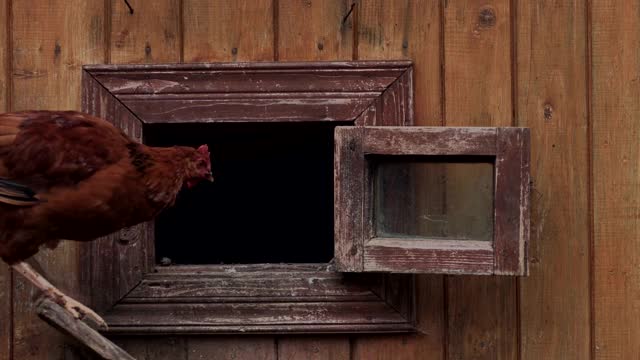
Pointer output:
138, 297
359, 250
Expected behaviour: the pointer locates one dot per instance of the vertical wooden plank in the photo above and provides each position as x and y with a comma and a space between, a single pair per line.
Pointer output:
616, 178
334, 348
5, 271
150, 35
51, 41
4, 55
217, 31
47, 57
315, 30
245, 347
482, 311
155, 348
408, 30
229, 30
552, 101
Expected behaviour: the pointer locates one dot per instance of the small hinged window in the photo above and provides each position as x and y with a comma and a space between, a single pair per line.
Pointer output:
432, 200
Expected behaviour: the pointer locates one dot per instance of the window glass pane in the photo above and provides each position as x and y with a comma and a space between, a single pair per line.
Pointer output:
436, 197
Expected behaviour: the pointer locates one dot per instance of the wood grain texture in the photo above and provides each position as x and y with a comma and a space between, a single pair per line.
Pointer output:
5, 57
6, 290
307, 77
313, 348
511, 203
409, 30
241, 348
249, 318
61, 319
258, 298
251, 283
425, 140
150, 34
482, 312
315, 30
406, 30
46, 61
251, 107
552, 101
156, 348
428, 257
616, 178
217, 30
349, 190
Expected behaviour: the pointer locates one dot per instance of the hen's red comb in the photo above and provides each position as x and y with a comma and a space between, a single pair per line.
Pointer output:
203, 149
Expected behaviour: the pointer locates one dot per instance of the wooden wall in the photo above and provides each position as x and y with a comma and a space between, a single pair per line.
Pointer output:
568, 69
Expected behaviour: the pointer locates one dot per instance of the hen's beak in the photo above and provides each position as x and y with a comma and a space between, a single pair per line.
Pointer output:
209, 177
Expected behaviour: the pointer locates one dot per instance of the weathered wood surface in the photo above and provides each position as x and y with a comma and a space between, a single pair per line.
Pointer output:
429, 141
249, 107
155, 348
195, 347
511, 219
306, 77
349, 190
258, 286
300, 317
217, 30
552, 99
315, 30
150, 34
482, 312
233, 347
314, 348
62, 320
616, 184
5, 58
435, 257
257, 298
6, 288
45, 74
409, 30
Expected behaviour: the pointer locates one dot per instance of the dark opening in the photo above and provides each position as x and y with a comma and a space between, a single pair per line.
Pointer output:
271, 202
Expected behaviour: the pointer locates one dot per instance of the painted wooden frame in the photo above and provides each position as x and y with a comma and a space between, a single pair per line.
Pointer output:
138, 297
359, 250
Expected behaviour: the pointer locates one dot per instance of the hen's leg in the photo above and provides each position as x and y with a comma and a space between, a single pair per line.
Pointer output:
78, 310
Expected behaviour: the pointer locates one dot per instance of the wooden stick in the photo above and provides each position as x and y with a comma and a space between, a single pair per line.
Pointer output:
60, 319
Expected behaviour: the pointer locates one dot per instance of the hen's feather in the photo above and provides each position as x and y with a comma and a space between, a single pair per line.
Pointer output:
48, 149
12, 193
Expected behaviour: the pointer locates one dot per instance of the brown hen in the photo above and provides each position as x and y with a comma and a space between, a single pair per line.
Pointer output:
69, 175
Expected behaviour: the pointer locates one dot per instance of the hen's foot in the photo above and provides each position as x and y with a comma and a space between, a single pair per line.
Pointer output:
77, 309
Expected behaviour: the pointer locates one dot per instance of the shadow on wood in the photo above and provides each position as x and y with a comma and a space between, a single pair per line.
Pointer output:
60, 319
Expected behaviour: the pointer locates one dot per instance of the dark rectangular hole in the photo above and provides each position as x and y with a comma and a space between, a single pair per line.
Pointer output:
271, 202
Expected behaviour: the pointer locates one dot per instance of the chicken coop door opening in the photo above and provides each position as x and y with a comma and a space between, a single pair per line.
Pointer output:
271, 201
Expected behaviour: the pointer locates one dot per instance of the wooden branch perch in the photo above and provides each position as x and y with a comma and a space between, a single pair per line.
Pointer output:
60, 319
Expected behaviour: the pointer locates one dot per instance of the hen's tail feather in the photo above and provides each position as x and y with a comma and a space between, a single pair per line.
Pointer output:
16, 194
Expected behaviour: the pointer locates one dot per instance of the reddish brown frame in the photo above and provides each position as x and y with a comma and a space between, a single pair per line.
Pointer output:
359, 249
138, 297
